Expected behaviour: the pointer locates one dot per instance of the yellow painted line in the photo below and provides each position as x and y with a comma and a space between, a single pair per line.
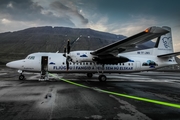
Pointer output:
122, 95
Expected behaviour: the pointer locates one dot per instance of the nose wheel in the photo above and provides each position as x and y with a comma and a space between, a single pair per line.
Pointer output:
21, 77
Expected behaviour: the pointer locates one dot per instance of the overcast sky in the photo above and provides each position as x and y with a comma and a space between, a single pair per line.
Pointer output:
126, 17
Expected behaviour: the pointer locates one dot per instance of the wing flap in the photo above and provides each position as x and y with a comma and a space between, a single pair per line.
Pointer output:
141, 37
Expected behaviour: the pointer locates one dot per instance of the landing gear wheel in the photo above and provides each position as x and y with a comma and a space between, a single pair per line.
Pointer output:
102, 78
89, 75
21, 77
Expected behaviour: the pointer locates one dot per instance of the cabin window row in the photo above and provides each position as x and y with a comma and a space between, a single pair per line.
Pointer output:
90, 63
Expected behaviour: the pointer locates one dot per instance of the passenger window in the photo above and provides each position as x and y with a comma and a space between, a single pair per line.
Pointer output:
63, 63
87, 63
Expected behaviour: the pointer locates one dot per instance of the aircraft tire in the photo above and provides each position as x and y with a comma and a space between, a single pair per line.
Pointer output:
102, 78
21, 77
89, 75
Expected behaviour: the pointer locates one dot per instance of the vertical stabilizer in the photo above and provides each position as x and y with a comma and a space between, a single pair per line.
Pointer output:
164, 42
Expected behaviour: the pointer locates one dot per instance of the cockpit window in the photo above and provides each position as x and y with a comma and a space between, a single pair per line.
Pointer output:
30, 57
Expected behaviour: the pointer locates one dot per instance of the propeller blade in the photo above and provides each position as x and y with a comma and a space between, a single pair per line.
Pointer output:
68, 47
67, 65
64, 52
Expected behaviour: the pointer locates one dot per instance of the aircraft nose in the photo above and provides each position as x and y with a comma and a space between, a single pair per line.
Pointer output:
12, 64
15, 64
8, 64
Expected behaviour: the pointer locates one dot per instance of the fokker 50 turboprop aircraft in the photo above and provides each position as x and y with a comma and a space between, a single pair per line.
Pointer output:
112, 58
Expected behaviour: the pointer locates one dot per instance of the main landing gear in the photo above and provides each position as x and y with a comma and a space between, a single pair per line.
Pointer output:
89, 75
102, 78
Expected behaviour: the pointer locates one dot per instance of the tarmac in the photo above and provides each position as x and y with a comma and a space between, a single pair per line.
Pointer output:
31, 99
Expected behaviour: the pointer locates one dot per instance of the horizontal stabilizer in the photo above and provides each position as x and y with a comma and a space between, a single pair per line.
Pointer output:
169, 54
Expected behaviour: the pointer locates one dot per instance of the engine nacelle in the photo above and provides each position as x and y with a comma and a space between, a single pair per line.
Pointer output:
81, 56
86, 56
110, 59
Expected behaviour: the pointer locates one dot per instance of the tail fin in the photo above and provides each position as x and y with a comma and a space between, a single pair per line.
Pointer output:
164, 43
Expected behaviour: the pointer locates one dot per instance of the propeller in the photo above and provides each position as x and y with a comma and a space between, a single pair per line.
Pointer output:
66, 54
67, 50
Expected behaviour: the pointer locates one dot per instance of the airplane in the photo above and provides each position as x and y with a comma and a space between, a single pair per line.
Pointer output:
112, 58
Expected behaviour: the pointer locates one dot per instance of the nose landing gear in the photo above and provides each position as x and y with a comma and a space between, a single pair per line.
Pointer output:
21, 76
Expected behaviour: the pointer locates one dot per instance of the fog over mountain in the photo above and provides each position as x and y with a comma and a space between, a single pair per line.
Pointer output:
18, 44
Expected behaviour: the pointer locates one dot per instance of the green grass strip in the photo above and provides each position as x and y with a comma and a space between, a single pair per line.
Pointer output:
123, 95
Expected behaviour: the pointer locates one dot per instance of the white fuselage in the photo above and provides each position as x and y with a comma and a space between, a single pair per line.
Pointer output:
139, 61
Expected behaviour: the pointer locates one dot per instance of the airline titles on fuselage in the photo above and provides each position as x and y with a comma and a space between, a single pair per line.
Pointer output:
92, 68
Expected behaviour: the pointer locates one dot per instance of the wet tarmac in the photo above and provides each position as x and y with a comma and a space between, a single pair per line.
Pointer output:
58, 100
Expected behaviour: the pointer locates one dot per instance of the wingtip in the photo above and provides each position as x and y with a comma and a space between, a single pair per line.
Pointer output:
158, 30
147, 30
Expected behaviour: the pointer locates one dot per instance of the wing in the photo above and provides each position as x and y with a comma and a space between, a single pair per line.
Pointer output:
119, 46
170, 54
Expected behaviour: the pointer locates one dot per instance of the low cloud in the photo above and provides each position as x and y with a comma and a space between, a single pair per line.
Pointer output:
100, 25
69, 11
128, 28
5, 21
28, 13
34, 13
134, 26
20, 9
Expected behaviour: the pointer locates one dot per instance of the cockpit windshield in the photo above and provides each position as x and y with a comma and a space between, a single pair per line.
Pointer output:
30, 57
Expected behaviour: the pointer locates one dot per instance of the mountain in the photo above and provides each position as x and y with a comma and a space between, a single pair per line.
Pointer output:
18, 44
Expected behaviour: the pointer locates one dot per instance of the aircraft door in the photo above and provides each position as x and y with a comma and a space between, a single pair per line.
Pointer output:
44, 64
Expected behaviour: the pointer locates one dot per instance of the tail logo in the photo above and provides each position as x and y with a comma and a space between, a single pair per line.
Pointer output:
167, 42
150, 63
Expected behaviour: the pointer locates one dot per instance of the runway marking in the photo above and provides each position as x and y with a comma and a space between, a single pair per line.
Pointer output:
3, 73
122, 95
